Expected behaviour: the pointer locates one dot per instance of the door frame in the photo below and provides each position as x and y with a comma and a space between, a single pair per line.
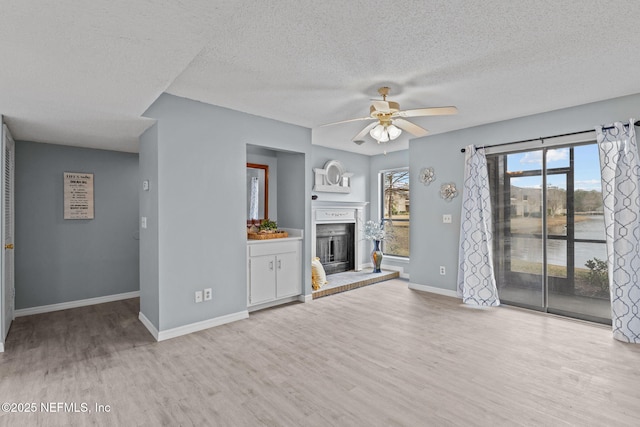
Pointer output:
8, 304
502, 244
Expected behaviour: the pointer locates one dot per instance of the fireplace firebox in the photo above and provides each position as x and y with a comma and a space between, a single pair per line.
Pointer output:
335, 246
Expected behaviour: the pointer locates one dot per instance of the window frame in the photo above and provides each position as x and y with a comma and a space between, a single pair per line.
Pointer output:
381, 208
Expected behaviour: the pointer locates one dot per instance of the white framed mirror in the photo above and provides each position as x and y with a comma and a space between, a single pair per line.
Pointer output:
332, 178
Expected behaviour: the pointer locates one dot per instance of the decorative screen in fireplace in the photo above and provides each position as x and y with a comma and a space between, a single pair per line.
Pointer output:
335, 247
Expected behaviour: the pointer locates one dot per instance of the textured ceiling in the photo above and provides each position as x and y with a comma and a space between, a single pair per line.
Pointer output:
82, 73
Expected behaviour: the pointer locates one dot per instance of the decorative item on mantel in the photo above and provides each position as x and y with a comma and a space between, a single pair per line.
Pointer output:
375, 232
267, 230
448, 191
332, 178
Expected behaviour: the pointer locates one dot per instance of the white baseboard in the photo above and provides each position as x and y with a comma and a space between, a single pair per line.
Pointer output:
384, 266
433, 290
272, 303
147, 324
74, 304
395, 268
305, 298
1, 347
199, 326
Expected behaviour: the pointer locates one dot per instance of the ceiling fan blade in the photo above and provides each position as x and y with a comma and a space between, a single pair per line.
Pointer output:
349, 121
433, 111
364, 131
410, 127
381, 106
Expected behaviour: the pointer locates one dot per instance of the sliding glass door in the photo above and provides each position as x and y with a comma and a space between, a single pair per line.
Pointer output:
550, 250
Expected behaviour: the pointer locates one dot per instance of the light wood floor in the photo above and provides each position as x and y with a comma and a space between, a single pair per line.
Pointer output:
381, 355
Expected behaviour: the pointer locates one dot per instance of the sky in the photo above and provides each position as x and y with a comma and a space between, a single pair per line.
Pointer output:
586, 167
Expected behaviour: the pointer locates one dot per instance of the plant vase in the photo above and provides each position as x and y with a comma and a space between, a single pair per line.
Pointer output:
376, 256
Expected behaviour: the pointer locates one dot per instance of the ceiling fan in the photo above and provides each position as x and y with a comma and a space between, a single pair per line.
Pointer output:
389, 120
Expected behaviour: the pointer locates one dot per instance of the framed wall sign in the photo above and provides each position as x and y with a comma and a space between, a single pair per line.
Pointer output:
78, 195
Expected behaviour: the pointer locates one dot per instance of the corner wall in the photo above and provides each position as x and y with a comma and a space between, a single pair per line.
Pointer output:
201, 209
149, 257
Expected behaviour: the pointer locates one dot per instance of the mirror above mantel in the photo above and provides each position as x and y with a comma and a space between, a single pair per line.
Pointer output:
257, 192
332, 178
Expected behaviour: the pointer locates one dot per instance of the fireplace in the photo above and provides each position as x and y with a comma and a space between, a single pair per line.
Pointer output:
335, 235
334, 246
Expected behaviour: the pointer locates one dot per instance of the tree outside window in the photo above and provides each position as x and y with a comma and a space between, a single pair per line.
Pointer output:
395, 203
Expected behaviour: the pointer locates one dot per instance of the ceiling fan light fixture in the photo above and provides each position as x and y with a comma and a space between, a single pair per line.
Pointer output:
377, 132
384, 137
393, 131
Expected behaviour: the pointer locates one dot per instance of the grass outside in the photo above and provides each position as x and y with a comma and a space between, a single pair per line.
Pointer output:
583, 285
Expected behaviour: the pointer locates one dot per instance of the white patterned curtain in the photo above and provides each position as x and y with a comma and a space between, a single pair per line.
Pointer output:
476, 278
621, 200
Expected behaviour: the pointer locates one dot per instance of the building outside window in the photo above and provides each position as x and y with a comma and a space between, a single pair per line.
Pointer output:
395, 208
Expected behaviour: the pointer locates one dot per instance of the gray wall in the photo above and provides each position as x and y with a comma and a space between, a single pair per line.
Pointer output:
60, 260
202, 204
149, 256
433, 243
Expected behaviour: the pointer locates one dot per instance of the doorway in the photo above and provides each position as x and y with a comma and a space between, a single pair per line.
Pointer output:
549, 249
7, 214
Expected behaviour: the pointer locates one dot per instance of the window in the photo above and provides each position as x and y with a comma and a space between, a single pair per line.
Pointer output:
394, 200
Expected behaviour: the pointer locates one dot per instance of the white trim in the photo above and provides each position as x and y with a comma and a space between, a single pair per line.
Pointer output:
305, 298
397, 268
147, 324
274, 303
75, 304
1, 347
199, 326
402, 168
433, 290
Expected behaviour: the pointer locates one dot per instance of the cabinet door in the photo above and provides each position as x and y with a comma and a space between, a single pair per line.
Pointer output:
288, 268
262, 280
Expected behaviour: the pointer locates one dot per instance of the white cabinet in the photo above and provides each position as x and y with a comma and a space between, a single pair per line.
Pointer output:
274, 271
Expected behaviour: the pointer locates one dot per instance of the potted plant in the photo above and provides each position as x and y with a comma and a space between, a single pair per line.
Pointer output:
268, 226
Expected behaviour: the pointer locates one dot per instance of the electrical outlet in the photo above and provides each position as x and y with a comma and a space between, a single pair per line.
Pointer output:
446, 218
207, 294
443, 271
198, 296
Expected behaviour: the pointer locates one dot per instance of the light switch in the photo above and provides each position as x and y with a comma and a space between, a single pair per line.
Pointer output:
143, 222
145, 185
446, 218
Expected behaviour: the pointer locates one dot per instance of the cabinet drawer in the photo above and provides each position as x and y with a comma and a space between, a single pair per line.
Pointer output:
272, 248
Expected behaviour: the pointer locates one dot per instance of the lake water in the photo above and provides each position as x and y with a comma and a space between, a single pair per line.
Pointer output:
530, 249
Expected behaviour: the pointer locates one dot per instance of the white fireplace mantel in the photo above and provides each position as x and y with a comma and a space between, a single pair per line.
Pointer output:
332, 212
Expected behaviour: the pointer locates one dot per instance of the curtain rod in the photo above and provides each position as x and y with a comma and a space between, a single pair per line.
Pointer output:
462, 150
